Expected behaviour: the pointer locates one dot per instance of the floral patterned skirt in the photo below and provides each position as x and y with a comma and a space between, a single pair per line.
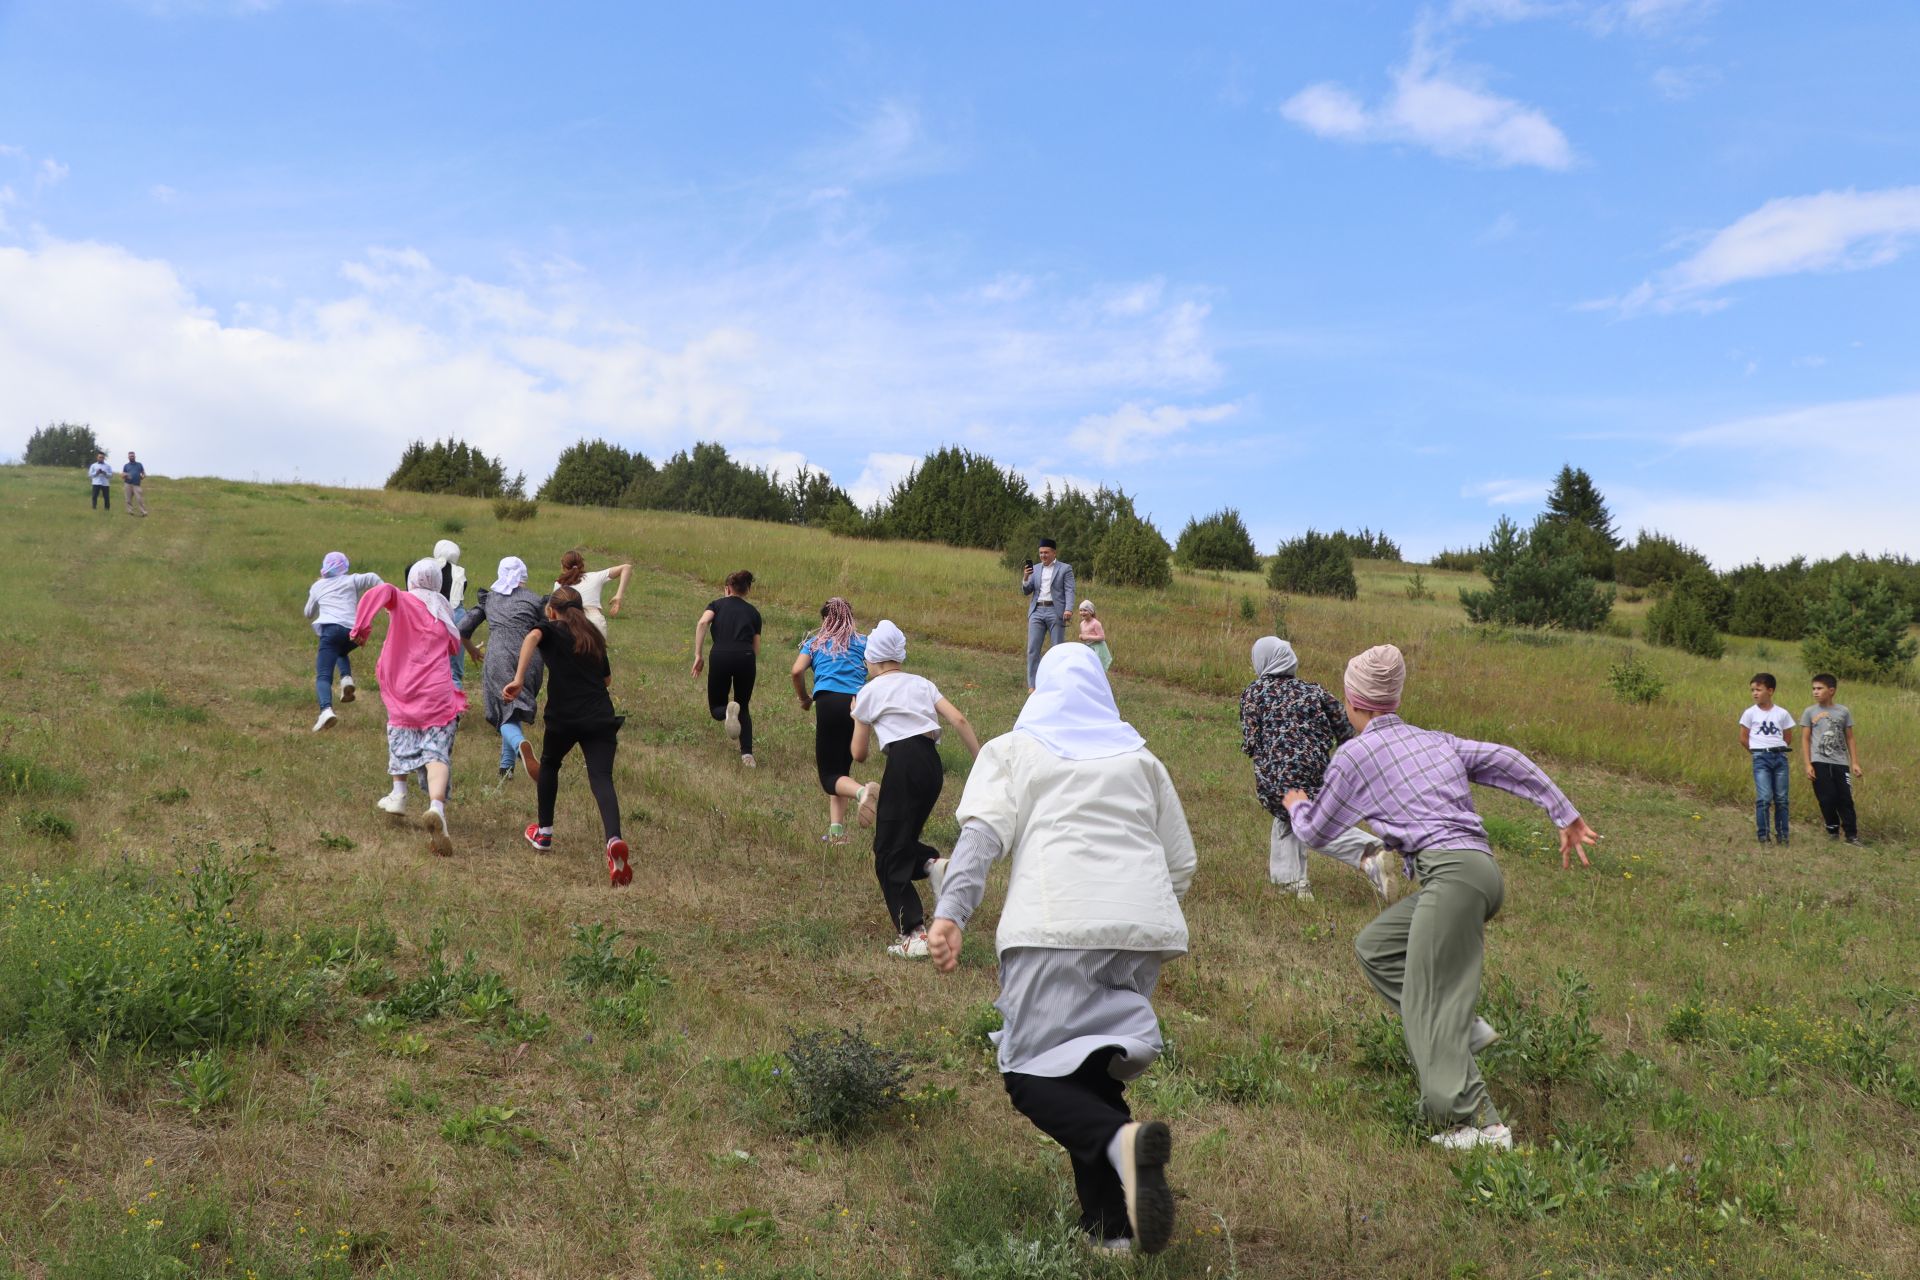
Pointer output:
411, 749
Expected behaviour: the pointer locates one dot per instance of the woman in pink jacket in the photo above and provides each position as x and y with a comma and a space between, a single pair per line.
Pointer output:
416, 683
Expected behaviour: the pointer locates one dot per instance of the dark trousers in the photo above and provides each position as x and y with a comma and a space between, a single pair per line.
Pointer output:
833, 737
331, 657
1833, 788
1082, 1112
103, 498
908, 791
735, 670
597, 746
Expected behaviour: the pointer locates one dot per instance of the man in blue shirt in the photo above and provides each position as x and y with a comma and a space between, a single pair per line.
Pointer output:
134, 474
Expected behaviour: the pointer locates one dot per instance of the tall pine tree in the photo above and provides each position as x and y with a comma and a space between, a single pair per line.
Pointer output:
1576, 500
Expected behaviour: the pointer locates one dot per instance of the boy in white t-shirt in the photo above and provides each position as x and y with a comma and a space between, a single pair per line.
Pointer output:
1766, 731
903, 711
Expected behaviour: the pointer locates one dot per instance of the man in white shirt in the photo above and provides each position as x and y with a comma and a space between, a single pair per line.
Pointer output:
100, 475
1050, 583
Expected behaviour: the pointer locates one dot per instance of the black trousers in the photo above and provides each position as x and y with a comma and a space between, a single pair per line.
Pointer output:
1082, 1112
1833, 788
597, 747
908, 791
833, 737
735, 669
103, 497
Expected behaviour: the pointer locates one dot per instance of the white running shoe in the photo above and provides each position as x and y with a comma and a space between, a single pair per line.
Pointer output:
392, 802
1144, 1152
733, 721
869, 802
1375, 866
746, 762
1299, 889
1466, 1137
910, 946
326, 721
435, 821
1480, 1035
346, 689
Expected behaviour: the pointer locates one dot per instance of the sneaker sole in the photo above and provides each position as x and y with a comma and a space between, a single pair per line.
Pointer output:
618, 869
537, 846
1150, 1199
869, 803
346, 693
437, 838
733, 721
326, 724
527, 762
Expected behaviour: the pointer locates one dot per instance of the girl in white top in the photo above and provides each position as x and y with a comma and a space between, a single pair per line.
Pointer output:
1101, 857
573, 573
903, 712
331, 602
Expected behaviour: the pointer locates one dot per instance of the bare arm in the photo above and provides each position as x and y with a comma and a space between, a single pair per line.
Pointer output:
700, 641
862, 740
528, 648
624, 571
800, 665
961, 726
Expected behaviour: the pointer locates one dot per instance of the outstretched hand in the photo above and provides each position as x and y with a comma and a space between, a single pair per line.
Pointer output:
511, 692
943, 944
1574, 837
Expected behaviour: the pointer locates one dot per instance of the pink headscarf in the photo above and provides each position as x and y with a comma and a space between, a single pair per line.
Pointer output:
334, 565
1375, 680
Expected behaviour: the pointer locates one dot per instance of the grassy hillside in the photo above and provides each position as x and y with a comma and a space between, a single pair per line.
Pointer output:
426, 1071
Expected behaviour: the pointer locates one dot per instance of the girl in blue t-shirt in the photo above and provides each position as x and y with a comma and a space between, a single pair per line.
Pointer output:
837, 652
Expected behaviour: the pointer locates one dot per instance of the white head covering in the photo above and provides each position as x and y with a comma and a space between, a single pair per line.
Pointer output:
446, 551
886, 643
423, 584
513, 576
1273, 656
1071, 710
1088, 606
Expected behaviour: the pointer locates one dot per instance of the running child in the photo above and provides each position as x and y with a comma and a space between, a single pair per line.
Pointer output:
1832, 760
416, 683
1094, 635
573, 573
330, 606
509, 611
1101, 858
902, 712
579, 712
735, 661
1423, 954
837, 655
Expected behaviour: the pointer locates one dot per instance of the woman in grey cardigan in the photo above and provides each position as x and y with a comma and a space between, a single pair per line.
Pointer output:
510, 612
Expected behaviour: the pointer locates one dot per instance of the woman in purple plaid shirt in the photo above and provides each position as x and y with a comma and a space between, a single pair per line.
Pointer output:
1423, 954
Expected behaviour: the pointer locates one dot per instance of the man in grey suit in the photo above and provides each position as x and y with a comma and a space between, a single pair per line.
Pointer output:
1050, 583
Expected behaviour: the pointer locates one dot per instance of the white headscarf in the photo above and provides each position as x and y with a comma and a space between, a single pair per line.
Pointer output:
886, 643
423, 584
513, 576
446, 551
1273, 656
1071, 710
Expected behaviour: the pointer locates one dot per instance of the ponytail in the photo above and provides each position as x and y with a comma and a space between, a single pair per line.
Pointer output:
573, 567
587, 640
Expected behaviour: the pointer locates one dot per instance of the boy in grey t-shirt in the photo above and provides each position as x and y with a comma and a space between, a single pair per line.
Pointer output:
1831, 760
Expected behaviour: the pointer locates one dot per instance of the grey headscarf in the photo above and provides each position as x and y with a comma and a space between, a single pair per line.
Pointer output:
1273, 656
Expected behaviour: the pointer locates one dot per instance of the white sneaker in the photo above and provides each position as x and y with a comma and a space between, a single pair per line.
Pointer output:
435, 822
393, 802
733, 721
869, 802
910, 946
1467, 1137
346, 689
326, 721
1375, 867
746, 761
1480, 1035
1144, 1151
1300, 889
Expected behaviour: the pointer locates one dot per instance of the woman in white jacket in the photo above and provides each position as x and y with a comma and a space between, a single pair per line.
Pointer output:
1101, 856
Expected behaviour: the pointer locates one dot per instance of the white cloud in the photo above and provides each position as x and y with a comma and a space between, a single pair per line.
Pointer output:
1507, 492
1440, 107
52, 173
878, 476
1647, 16
1677, 84
1501, 228
163, 193
1134, 432
1833, 231
1008, 286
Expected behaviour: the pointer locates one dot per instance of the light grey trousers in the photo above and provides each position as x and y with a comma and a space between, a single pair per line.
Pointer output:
1287, 853
1044, 621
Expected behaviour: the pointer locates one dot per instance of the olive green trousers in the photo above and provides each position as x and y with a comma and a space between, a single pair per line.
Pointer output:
1423, 955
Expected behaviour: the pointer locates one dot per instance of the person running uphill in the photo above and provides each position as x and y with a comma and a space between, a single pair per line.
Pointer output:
330, 606
837, 655
1423, 954
573, 573
579, 712
510, 611
423, 705
735, 660
902, 712
1101, 858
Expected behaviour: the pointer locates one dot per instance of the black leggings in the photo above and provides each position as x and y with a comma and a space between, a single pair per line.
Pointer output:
908, 792
597, 746
1082, 1112
735, 667
832, 737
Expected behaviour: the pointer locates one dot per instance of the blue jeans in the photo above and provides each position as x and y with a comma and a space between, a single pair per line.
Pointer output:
332, 657
1044, 621
459, 660
1770, 788
511, 736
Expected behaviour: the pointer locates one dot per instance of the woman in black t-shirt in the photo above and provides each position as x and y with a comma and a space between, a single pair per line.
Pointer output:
734, 662
579, 712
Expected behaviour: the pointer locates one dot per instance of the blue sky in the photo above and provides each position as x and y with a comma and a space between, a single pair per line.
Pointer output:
1334, 264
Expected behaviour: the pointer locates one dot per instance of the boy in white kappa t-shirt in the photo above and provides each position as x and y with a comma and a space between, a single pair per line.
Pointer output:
1766, 731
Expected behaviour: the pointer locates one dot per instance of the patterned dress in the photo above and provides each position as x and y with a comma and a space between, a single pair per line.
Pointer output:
509, 618
1290, 727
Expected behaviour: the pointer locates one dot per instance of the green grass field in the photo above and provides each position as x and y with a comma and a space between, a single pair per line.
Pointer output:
420, 1067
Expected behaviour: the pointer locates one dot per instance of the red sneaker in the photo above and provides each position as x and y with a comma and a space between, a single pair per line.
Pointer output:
540, 843
617, 869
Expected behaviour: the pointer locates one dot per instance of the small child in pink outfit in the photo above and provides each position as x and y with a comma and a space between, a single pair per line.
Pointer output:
416, 683
1094, 635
